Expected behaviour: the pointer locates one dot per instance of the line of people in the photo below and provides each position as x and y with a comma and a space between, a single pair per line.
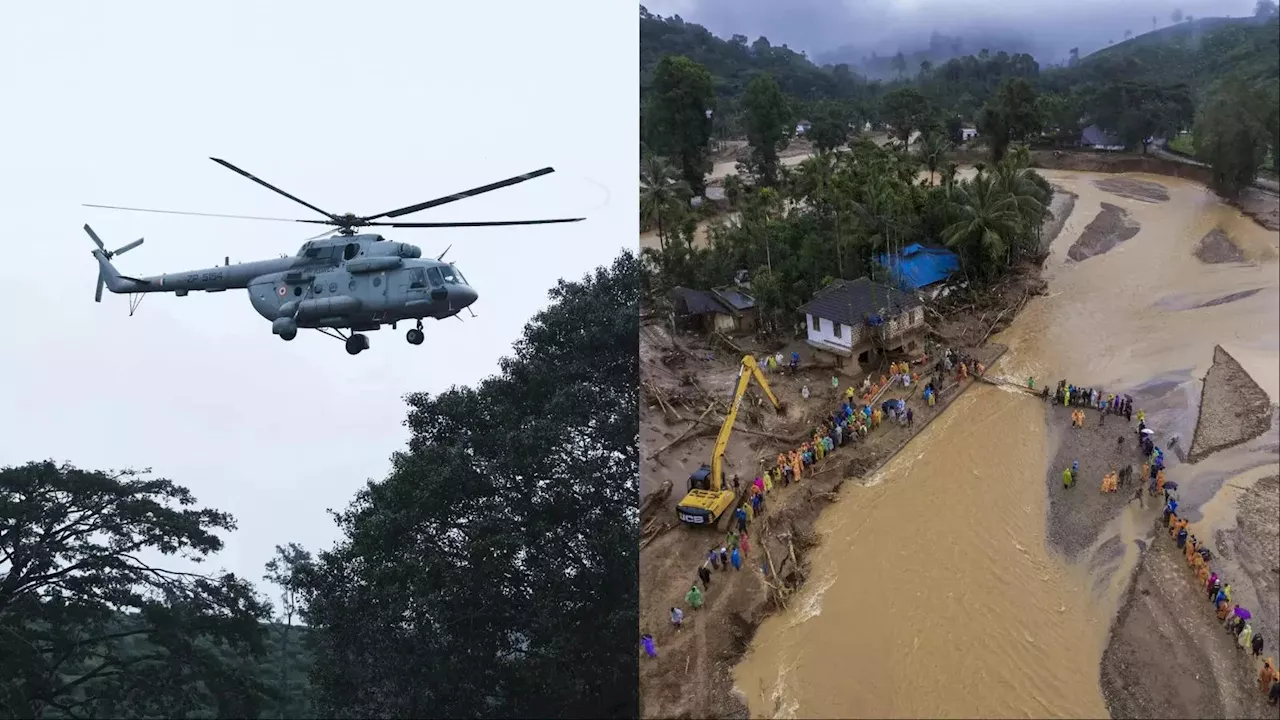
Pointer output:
1235, 619
850, 421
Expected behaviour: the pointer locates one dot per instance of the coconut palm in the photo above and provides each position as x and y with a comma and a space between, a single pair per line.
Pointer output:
663, 194
988, 222
933, 152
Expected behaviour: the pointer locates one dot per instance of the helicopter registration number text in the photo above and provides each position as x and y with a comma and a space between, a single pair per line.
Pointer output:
203, 277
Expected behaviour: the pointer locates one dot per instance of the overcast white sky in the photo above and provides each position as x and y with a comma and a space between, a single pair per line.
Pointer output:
815, 26
353, 107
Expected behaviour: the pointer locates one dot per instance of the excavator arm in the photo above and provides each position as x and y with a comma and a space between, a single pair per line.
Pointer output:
750, 369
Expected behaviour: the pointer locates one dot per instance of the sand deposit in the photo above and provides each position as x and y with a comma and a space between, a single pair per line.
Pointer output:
1234, 408
1111, 227
1216, 247
1134, 189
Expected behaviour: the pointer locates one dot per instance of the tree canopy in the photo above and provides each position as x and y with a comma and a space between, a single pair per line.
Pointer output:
493, 573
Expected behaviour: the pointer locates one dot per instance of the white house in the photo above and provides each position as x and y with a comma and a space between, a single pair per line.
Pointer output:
968, 133
851, 318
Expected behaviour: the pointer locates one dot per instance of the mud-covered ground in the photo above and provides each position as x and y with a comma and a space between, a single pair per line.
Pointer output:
1262, 206
1134, 189
1078, 514
1216, 247
691, 677
1104, 233
1168, 656
1242, 413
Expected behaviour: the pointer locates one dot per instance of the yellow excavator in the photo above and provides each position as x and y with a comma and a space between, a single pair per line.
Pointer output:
708, 498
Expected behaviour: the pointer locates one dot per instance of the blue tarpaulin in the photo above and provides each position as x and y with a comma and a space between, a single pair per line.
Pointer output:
919, 266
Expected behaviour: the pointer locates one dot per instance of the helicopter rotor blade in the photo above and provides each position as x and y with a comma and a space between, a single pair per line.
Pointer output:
272, 188
97, 295
202, 214
490, 223
462, 195
128, 247
94, 236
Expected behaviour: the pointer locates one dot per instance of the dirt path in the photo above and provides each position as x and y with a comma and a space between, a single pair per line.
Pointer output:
692, 675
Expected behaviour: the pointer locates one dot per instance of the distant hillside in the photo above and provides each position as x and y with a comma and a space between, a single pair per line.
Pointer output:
735, 61
941, 49
1199, 53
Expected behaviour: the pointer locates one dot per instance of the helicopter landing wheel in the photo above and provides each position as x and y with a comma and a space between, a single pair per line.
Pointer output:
415, 337
357, 343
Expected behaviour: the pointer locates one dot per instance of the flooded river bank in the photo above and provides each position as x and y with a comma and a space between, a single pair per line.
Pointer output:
936, 591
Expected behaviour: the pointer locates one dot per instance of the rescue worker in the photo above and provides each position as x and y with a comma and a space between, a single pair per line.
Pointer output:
1066, 478
1266, 675
694, 597
705, 575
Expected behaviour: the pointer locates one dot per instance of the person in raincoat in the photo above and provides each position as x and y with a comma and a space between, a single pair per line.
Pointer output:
646, 641
745, 545
705, 574
1256, 645
736, 559
1246, 635
741, 514
694, 596
1266, 675
677, 617
1066, 478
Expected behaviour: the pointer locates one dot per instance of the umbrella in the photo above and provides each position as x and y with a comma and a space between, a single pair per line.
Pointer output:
1148, 431
1242, 613
1170, 485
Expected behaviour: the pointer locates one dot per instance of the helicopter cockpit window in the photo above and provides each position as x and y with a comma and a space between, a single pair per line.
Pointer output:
351, 251
417, 278
451, 275
313, 252
433, 274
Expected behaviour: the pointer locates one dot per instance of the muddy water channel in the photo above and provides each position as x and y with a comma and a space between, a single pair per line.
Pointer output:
936, 591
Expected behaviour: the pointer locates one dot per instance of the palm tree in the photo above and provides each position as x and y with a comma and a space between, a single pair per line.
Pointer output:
933, 151
1027, 197
988, 222
662, 193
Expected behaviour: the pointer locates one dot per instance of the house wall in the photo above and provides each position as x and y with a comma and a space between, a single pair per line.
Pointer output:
724, 323
825, 333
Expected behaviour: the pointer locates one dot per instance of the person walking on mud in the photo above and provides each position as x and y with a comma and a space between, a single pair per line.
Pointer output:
1137, 495
705, 574
677, 618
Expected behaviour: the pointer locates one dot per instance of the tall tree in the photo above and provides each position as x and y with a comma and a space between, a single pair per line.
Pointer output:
664, 196
769, 125
1138, 112
89, 628
906, 111
1264, 8
1232, 137
829, 126
493, 572
677, 124
1011, 115
283, 571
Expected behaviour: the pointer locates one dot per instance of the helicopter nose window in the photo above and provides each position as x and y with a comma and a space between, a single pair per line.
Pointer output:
450, 275
433, 274
417, 279
351, 251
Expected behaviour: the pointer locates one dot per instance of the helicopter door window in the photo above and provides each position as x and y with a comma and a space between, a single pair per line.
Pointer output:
417, 279
433, 274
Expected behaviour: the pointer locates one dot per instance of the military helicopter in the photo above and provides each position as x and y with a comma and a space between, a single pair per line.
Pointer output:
339, 280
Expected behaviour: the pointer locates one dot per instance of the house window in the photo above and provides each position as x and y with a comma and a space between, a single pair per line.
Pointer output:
817, 323
835, 328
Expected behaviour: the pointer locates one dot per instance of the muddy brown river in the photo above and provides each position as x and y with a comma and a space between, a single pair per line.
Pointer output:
934, 592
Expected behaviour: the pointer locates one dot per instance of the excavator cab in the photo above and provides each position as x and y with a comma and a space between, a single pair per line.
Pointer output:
701, 478
708, 499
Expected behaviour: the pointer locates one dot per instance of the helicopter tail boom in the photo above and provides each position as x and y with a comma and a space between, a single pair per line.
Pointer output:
107, 273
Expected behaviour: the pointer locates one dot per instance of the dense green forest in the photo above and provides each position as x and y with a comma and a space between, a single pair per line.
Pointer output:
800, 227
1167, 74
491, 574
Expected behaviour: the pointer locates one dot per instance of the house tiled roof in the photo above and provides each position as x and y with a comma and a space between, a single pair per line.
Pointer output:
735, 298
849, 302
697, 302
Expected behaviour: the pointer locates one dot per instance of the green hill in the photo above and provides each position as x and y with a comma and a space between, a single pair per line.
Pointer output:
1199, 54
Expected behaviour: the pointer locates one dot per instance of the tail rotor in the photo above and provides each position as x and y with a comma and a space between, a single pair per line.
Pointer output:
107, 254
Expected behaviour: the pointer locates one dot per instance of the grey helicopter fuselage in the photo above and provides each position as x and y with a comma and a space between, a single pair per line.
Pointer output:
356, 282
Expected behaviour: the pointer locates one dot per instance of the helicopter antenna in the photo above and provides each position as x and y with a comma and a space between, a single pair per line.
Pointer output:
446, 250
347, 224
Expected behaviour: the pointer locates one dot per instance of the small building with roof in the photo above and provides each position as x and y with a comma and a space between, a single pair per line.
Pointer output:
728, 310
919, 266
863, 320
1095, 138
